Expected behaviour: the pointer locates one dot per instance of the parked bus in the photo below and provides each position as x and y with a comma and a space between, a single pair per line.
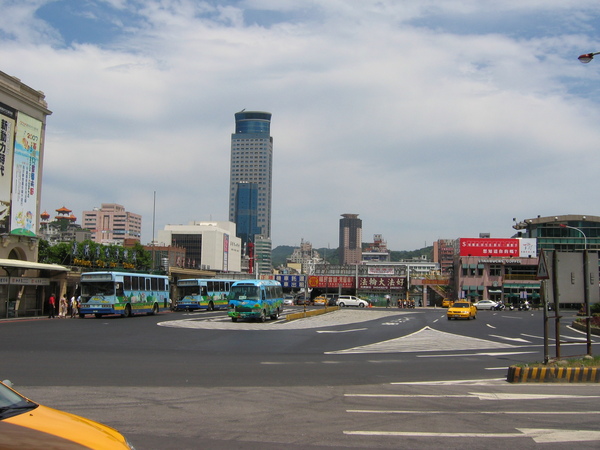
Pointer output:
123, 293
255, 299
209, 294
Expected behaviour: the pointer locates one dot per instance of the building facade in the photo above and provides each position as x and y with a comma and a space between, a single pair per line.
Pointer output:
208, 245
251, 174
24, 283
111, 224
496, 269
350, 239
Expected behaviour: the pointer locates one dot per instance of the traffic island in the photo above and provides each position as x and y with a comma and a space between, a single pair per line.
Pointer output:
585, 370
310, 313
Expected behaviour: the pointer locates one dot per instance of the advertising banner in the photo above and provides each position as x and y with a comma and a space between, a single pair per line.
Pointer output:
330, 281
498, 247
381, 283
26, 163
7, 134
225, 252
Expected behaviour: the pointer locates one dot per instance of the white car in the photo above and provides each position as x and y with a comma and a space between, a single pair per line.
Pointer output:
351, 300
485, 304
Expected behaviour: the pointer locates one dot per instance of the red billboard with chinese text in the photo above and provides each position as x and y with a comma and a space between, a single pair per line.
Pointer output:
489, 247
330, 281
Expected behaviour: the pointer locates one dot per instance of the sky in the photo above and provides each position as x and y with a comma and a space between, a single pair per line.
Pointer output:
430, 119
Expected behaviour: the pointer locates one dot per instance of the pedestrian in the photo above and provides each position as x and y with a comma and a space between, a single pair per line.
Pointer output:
387, 298
62, 307
73, 306
51, 306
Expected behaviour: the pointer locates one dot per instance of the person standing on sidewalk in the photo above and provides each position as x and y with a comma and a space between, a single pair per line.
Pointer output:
52, 306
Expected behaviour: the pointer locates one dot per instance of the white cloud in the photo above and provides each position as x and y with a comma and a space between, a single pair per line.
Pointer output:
378, 109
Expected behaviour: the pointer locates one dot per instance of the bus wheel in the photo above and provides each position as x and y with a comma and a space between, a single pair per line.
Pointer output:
127, 312
234, 319
81, 316
97, 316
276, 315
155, 309
211, 306
263, 316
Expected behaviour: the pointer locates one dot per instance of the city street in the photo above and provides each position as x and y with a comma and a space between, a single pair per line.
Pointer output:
355, 378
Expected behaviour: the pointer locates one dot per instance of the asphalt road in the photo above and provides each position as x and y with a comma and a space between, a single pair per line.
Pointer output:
376, 378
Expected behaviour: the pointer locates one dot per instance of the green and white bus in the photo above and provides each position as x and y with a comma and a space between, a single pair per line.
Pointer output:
255, 299
123, 293
209, 294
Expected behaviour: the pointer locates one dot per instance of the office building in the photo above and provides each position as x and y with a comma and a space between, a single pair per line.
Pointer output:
251, 174
350, 249
208, 245
111, 224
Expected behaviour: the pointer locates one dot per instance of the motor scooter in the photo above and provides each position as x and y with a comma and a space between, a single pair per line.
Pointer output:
524, 306
499, 306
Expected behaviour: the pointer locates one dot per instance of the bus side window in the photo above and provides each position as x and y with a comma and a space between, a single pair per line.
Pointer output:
204, 291
120, 292
264, 294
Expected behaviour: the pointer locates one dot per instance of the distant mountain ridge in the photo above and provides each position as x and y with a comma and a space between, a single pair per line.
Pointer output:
280, 254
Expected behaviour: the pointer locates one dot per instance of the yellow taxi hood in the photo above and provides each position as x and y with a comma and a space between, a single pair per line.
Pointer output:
63, 425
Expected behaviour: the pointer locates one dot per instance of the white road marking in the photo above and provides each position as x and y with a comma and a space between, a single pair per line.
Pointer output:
341, 331
427, 340
537, 434
511, 339
558, 413
491, 326
452, 355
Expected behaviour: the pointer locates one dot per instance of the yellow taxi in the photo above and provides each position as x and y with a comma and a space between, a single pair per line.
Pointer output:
462, 309
447, 303
320, 300
26, 424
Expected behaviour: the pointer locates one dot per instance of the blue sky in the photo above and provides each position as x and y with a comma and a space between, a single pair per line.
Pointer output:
429, 118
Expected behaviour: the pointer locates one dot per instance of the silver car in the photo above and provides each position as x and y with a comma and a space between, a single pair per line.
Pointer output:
351, 300
485, 304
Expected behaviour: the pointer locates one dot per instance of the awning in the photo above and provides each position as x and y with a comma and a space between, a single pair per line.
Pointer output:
19, 264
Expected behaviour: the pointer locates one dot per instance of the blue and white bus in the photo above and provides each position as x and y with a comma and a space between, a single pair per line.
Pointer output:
255, 299
123, 293
209, 294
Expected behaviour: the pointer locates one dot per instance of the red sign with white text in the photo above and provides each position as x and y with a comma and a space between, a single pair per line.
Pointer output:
329, 281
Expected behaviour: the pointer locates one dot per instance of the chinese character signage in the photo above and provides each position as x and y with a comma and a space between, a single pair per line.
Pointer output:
291, 281
498, 247
7, 132
330, 281
28, 136
381, 283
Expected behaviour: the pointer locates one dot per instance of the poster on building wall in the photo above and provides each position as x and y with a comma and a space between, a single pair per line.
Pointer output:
225, 252
7, 134
26, 162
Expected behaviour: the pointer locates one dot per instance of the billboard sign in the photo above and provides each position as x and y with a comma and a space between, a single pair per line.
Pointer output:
330, 281
7, 135
381, 283
489, 247
26, 165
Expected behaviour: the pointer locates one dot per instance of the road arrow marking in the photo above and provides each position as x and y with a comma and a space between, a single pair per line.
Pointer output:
511, 339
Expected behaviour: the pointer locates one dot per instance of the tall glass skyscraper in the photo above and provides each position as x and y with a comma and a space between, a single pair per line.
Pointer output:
251, 175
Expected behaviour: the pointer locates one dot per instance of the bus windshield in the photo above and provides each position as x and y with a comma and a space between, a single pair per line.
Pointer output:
88, 290
244, 293
192, 290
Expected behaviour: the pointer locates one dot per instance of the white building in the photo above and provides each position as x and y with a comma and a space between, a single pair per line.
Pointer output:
208, 245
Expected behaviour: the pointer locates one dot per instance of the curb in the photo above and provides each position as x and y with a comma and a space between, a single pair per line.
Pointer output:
310, 313
553, 375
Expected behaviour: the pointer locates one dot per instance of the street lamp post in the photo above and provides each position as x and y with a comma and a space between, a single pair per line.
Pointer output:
587, 57
562, 225
586, 289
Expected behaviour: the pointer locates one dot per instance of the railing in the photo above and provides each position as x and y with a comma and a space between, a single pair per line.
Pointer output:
522, 276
